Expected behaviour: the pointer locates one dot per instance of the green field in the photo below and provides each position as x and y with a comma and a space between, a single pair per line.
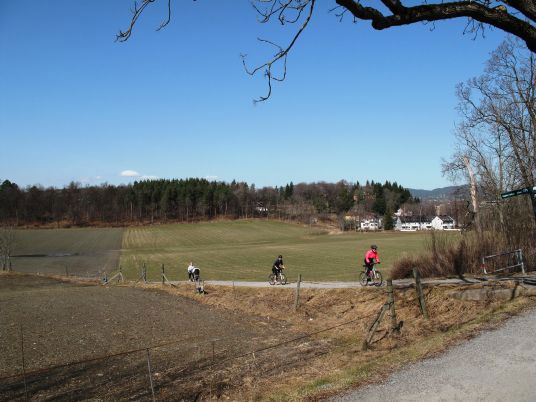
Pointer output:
245, 250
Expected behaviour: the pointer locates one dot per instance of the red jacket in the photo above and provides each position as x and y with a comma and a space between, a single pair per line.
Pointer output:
370, 255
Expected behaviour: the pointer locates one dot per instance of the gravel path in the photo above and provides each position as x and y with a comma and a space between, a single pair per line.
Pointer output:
333, 285
499, 365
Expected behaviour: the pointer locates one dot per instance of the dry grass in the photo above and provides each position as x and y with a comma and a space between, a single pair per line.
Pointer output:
447, 255
349, 313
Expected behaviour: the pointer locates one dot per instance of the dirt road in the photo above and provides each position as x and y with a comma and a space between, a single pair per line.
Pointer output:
499, 365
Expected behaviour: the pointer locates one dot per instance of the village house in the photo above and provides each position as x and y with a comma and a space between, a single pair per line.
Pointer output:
370, 224
411, 223
443, 222
261, 209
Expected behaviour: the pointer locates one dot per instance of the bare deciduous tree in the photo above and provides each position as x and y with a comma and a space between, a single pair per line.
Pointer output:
497, 136
517, 17
7, 244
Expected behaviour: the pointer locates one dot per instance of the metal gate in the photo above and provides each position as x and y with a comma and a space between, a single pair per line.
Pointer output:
503, 262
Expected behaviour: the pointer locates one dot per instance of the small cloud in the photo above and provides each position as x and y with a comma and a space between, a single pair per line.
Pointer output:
129, 173
211, 178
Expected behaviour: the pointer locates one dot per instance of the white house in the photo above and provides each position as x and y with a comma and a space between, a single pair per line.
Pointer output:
443, 222
370, 224
261, 209
406, 223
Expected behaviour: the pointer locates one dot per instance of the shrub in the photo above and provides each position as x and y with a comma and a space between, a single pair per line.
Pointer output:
446, 254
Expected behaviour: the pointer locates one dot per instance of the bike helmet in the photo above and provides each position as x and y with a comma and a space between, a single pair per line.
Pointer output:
374, 247
280, 256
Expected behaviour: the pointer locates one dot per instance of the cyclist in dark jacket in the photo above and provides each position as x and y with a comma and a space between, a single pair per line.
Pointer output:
278, 265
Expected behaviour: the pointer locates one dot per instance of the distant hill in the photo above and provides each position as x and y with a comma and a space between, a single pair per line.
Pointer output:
443, 193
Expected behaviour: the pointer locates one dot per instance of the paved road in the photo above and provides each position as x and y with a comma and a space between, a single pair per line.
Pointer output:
499, 365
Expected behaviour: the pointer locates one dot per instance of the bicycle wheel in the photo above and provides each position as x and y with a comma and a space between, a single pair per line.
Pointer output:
378, 279
363, 279
282, 279
271, 279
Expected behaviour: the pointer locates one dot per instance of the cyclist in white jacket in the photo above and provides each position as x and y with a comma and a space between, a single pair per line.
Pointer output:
192, 271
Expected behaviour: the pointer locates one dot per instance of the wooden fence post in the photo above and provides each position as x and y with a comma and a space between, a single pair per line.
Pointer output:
519, 255
374, 325
391, 301
143, 276
150, 373
420, 294
23, 363
297, 299
144, 273
163, 275
213, 350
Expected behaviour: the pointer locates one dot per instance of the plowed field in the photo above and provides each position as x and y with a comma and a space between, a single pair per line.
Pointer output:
84, 341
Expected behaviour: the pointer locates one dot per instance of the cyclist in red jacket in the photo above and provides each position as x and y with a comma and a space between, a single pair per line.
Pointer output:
371, 257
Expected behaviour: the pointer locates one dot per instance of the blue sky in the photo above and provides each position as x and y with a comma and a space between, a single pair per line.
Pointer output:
358, 104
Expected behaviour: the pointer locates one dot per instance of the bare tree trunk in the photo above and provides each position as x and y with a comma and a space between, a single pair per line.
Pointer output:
532, 195
7, 244
474, 199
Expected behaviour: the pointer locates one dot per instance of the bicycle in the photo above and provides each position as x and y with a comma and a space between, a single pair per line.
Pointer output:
279, 278
195, 276
374, 277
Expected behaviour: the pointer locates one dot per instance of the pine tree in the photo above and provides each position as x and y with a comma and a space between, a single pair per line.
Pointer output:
388, 223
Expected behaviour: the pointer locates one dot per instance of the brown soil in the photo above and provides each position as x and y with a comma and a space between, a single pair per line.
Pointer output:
65, 322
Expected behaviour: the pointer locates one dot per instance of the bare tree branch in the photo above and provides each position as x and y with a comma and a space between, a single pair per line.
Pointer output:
298, 6
482, 11
168, 19
517, 17
123, 36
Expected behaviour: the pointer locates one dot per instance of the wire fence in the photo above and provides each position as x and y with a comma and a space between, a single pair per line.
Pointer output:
106, 266
181, 368
177, 369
